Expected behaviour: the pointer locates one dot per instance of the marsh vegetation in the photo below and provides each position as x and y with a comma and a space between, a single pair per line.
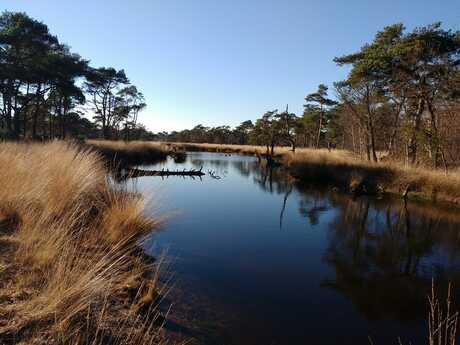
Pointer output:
72, 269
296, 222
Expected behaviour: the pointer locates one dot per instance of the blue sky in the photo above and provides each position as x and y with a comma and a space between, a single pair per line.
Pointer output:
217, 62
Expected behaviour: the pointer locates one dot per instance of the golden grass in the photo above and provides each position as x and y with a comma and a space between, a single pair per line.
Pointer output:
71, 269
442, 320
129, 153
346, 171
225, 148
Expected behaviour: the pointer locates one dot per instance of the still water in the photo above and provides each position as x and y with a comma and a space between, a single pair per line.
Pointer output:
258, 259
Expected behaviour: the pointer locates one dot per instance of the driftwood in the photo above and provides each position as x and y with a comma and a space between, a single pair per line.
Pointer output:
213, 174
132, 173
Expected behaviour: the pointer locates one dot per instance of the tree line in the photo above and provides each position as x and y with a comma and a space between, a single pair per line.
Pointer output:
45, 89
401, 96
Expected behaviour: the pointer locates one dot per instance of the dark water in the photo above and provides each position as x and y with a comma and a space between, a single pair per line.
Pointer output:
258, 260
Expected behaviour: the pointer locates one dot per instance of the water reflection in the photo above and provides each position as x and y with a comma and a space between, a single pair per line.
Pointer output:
385, 255
312, 205
269, 255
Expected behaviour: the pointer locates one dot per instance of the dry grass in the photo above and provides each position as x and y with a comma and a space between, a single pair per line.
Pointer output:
129, 153
224, 148
442, 323
71, 269
343, 170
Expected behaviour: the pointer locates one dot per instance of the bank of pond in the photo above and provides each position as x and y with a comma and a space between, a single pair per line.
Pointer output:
337, 169
228, 249
260, 257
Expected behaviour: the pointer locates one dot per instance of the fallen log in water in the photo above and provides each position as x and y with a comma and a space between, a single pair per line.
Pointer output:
132, 173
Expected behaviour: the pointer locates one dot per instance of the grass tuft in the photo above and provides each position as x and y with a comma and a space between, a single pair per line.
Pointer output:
129, 153
71, 269
350, 173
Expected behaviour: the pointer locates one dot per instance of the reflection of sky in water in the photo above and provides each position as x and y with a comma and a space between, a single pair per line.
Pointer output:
337, 268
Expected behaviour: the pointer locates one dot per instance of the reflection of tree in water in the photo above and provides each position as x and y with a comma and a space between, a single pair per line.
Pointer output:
244, 167
215, 163
272, 179
269, 178
385, 257
312, 205
283, 208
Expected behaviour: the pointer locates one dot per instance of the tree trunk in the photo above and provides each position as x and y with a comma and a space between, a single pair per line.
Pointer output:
394, 132
353, 139
318, 139
16, 121
34, 124
64, 118
8, 109
9, 126
370, 126
368, 151
105, 132
412, 147
434, 140
50, 126
372, 140
35, 113
24, 126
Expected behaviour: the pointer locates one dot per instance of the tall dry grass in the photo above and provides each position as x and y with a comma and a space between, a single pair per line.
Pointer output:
225, 148
71, 269
129, 153
442, 319
346, 171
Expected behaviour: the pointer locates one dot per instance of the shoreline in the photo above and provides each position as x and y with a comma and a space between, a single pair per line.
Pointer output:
348, 173
73, 266
72, 242
121, 153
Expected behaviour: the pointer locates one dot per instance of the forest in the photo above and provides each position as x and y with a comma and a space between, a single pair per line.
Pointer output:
46, 89
401, 97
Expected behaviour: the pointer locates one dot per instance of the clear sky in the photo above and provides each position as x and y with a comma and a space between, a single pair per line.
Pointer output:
219, 62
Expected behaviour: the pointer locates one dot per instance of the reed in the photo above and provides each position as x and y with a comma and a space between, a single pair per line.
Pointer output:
71, 269
225, 148
345, 171
442, 320
129, 153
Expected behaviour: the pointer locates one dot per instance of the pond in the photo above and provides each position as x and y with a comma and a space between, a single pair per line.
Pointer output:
257, 258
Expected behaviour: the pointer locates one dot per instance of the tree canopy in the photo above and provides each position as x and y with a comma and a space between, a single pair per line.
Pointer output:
44, 87
400, 97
